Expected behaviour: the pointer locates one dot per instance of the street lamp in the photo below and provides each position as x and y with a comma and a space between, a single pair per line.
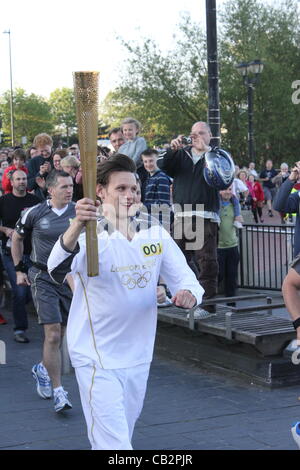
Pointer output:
11, 94
250, 72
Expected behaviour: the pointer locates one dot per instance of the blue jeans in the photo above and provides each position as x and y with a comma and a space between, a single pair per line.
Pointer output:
21, 294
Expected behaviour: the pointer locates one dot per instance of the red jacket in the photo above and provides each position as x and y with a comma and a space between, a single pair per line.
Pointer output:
6, 184
256, 191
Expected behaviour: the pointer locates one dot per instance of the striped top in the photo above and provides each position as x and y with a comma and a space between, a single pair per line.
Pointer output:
157, 189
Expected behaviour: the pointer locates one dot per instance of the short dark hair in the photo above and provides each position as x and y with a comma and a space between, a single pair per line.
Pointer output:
61, 152
114, 131
148, 152
116, 163
52, 178
19, 153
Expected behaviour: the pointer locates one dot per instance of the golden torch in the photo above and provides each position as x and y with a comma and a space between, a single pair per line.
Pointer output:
86, 98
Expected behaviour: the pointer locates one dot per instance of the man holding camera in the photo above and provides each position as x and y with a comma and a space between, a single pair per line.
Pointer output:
196, 207
11, 206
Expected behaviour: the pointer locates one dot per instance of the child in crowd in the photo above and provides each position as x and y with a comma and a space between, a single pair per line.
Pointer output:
228, 252
134, 145
18, 163
156, 192
257, 197
3, 166
238, 219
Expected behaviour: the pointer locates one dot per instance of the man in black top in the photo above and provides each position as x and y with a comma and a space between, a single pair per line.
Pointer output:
39, 167
11, 206
196, 207
269, 188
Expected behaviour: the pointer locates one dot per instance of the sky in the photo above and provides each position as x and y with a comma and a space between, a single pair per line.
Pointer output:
52, 39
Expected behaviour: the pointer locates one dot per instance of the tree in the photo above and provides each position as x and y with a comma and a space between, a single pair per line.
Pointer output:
252, 30
31, 114
62, 103
168, 92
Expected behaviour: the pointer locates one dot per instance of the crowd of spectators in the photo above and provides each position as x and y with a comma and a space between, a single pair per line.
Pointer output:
251, 190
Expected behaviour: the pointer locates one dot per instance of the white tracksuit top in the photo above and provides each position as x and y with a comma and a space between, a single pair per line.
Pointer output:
113, 316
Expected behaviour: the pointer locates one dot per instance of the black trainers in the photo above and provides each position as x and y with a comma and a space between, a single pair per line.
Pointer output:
271, 214
20, 337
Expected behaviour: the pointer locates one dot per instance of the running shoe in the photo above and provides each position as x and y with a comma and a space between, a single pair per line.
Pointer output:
238, 224
296, 433
43, 382
201, 314
61, 401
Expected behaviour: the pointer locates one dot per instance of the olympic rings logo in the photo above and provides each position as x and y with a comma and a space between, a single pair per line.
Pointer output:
136, 280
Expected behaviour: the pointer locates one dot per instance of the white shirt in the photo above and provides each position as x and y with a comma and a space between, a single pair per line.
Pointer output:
112, 320
238, 187
253, 172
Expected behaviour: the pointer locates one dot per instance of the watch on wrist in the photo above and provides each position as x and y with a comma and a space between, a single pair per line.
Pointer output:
21, 267
296, 323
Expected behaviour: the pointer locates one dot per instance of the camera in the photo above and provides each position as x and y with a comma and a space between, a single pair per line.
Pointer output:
186, 140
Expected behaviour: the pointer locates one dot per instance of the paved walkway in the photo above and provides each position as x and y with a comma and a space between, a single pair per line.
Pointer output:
185, 408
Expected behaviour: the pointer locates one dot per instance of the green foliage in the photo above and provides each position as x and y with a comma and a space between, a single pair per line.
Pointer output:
31, 114
168, 92
62, 102
252, 30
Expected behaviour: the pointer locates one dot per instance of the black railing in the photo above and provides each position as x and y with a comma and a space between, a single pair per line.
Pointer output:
266, 252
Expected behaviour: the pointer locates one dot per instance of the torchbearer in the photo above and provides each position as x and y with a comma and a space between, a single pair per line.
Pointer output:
112, 322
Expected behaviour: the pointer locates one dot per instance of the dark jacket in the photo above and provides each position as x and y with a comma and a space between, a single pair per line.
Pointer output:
189, 185
289, 203
33, 166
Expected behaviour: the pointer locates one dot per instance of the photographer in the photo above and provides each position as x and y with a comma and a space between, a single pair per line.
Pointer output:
185, 163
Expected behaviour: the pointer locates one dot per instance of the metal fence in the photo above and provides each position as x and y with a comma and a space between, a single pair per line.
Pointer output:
265, 254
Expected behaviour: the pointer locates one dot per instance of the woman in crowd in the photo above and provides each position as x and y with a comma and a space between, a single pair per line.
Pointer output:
256, 197
18, 163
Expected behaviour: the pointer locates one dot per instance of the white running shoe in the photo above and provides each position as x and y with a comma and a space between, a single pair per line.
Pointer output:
61, 401
43, 382
296, 433
238, 224
201, 314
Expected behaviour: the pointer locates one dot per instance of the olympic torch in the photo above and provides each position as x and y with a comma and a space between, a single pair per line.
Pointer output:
86, 98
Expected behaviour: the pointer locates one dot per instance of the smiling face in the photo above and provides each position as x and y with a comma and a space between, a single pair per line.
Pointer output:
226, 194
18, 162
129, 131
44, 150
118, 195
150, 163
56, 161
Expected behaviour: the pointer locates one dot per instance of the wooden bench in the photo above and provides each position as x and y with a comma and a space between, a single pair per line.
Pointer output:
247, 342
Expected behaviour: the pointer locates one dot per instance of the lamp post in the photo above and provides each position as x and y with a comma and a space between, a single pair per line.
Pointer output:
11, 94
250, 72
213, 72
